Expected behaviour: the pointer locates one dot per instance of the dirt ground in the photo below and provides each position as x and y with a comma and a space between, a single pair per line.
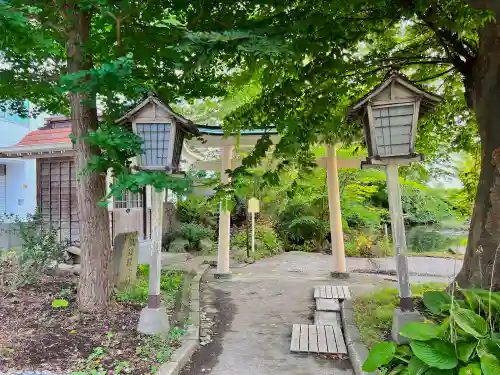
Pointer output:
36, 336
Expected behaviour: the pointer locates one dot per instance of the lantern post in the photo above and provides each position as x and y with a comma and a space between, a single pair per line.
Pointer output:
390, 114
162, 132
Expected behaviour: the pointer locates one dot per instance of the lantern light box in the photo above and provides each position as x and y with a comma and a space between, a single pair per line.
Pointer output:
162, 131
390, 114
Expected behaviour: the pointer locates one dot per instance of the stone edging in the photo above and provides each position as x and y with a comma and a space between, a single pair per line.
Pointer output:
358, 352
192, 339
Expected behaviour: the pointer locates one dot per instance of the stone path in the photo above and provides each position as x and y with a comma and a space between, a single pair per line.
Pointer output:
254, 313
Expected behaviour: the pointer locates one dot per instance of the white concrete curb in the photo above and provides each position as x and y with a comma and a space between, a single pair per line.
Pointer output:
358, 352
191, 343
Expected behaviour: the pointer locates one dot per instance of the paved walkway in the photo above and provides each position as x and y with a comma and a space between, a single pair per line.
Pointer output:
254, 313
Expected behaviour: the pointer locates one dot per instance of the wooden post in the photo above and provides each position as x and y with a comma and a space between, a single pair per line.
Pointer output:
224, 219
253, 233
398, 236
386, 239
337, 235
157, 198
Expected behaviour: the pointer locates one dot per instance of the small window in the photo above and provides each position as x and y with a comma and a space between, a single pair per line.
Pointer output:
129, 200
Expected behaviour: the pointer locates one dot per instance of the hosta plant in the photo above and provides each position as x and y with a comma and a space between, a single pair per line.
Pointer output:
460, 337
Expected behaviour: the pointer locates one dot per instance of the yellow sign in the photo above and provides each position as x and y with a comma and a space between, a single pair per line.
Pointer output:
253, 205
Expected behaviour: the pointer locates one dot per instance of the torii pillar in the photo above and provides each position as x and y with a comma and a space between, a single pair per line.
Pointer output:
224, 220
337, 235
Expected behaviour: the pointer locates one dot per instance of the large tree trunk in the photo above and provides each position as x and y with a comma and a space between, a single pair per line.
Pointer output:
482, 259
95, 277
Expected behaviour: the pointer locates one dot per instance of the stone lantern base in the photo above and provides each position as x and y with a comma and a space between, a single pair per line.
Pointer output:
400, 319
153, 321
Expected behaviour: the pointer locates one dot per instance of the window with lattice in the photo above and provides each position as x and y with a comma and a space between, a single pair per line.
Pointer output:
129, 200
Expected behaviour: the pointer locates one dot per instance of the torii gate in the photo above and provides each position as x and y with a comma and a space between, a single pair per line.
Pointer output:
214, 138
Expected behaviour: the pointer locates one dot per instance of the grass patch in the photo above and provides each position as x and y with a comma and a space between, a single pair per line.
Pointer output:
137, 293
373, 311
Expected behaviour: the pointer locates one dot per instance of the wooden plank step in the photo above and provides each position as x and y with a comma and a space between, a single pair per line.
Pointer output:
324, 304
312, 338
340, 292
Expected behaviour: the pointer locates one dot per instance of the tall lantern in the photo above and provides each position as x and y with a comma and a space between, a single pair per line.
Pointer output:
162, 132
390, 114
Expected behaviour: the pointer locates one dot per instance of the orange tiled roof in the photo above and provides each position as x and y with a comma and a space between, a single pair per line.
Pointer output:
46, 136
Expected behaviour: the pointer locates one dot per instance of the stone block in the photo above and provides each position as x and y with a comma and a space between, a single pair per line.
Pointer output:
125, 258
400, 319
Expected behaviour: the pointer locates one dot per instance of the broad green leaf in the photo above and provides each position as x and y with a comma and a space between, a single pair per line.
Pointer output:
435, 353
470, 322
470, 369
490, 366
59, 303
381, 354
465, 350
436, 371
488, 348
435, 300
416, 366
421, 331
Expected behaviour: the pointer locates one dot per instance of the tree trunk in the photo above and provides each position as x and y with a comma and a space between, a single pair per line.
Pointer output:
482, 259
94, 287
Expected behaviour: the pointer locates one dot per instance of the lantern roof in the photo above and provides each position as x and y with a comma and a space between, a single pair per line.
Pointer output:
152, 98
428, 100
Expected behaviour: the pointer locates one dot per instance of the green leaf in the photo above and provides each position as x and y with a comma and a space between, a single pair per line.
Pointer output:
490, 366
470, 369
59, 303
381, 354
421, 331
436, 371
435, 353
488, 348
470, 322
435, 300
416, 366
465, 350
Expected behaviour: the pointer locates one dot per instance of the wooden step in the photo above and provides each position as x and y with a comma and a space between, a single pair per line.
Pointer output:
311, 338
331, 291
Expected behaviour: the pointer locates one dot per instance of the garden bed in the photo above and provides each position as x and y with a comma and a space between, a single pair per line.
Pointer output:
35, 335
373, 312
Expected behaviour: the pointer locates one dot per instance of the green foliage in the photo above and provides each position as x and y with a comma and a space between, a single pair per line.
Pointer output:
59, 303
40, 248
198, 210
464, 337
194, 233
421, 239
137, 292
267, 243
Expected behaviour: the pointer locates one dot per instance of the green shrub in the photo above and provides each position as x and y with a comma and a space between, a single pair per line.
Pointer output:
198, 210
460, 337
194, 233
40, 250
267, 243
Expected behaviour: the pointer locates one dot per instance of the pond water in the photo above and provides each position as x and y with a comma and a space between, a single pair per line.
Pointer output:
428, 238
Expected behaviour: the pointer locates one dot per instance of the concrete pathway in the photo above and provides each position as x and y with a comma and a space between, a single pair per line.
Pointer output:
254, 313
418, 266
